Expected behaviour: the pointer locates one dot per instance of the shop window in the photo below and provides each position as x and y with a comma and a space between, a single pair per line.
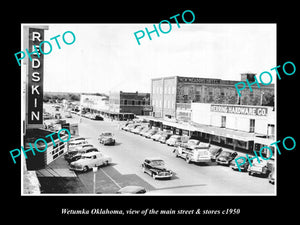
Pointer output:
223, 121
252, 125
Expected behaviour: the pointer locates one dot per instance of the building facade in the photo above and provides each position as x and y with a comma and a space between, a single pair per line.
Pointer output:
235, 126
171, 96
130, 102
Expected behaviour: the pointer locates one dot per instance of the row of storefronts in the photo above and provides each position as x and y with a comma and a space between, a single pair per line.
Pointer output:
240, 128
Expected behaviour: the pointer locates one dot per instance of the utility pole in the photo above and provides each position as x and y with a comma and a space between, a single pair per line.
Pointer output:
94, 184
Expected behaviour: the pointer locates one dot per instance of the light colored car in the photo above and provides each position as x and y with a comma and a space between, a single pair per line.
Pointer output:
156, 136
89, 160
73, 144
106, 138
150, 133
164, 137
260, 167
174, 140
194, 153
190, 143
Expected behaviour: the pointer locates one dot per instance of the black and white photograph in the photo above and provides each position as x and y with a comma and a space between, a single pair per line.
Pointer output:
182, 113
138, 112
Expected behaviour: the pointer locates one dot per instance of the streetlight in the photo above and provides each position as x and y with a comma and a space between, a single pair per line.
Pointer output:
94, 185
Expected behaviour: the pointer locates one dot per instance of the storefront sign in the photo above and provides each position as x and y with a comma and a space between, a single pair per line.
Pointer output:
243, 110
198, 80
35, 78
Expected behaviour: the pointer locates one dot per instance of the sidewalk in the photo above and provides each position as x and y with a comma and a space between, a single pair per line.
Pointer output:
56, 178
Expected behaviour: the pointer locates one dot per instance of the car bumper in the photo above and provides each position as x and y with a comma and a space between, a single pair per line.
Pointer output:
202, 160
223, 162
75, 168
164, 176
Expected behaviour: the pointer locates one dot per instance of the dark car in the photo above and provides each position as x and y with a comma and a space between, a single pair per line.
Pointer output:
98, 117
243, 167
226, 157
155, 167
132, 190
215, 152
106, 138
75, 155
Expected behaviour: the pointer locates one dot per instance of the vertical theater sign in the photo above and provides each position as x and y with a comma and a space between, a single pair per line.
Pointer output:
33, 36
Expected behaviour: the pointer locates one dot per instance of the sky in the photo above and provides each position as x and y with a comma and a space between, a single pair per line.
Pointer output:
107, 57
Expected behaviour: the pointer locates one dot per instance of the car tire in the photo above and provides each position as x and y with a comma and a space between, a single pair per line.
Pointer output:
85, 169
187, 159
249, 173
153, 175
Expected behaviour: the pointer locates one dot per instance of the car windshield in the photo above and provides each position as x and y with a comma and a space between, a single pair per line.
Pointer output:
106, 134
157, 163
73, 153
193, 142
86, 157
214, 150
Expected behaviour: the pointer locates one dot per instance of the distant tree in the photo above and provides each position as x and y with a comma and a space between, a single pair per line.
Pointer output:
268, 99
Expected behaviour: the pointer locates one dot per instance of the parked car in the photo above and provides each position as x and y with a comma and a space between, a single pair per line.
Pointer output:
106, 138
125, 125
77, 139
82, 146
193, 154
75, 143
190, 143
89, 160
98, 117
226, 157
130, 127
215, 152
260, 167
272, 176
156, 136
174, 140
75, 155
144, 131
155, 167
132, 190
137, 129
150, 133
164, 137
243, 167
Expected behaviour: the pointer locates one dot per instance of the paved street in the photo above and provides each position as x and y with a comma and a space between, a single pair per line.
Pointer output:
130, 151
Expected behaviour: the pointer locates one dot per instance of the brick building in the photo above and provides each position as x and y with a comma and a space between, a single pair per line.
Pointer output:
171, 96
129, 102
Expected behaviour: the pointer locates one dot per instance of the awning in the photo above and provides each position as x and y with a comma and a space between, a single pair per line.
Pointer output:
225, 132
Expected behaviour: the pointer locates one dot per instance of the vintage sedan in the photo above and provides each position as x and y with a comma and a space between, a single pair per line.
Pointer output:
90, 160
260, 167
164, 137
106, 138
174, 140
155, 167
243, 167
226, 157
215, 152
150, 133
75, 155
